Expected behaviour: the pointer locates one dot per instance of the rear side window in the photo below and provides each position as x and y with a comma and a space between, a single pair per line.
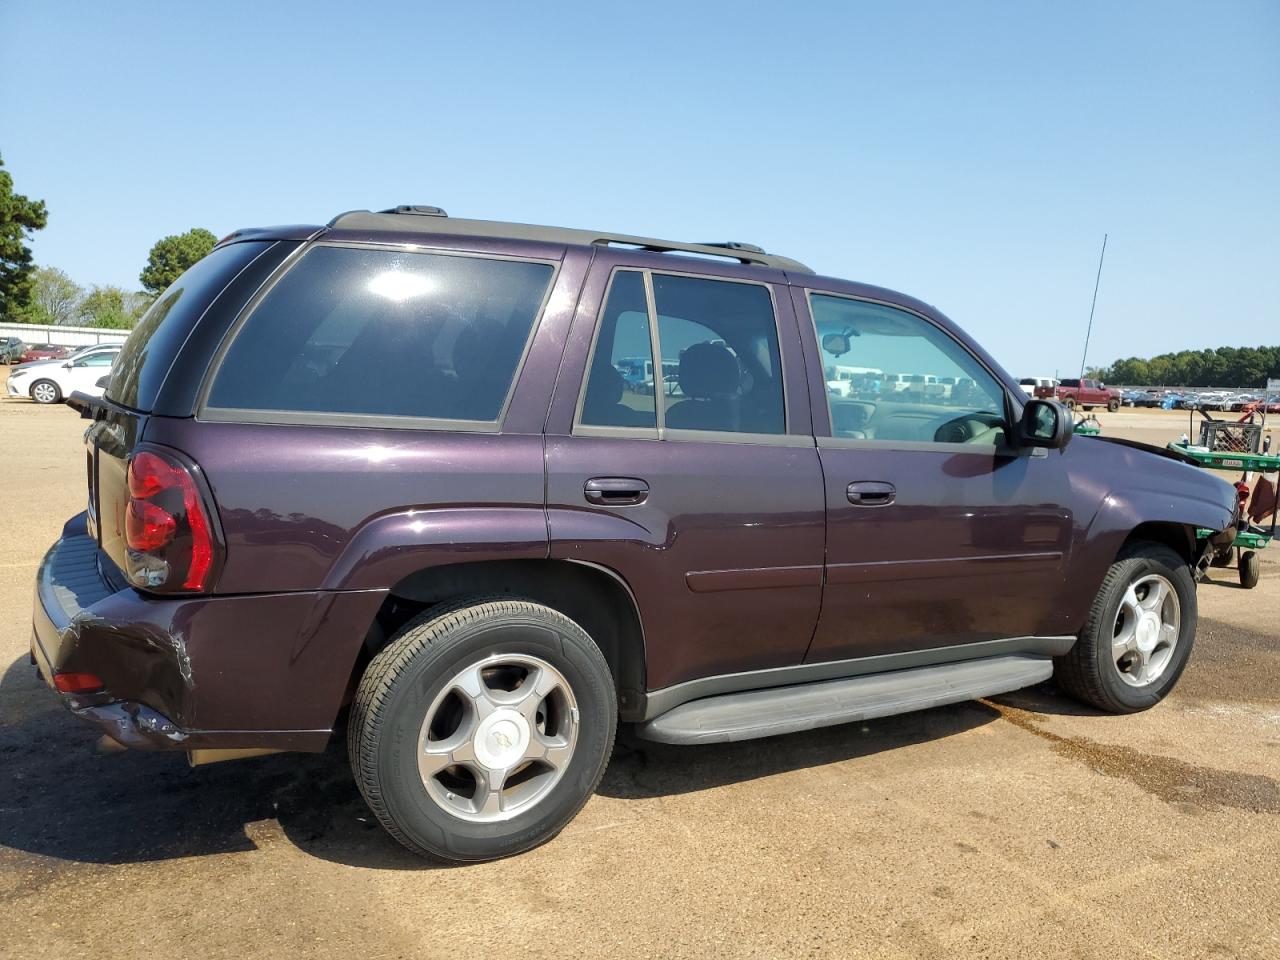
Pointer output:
154, 343
385, 333
620, 387
722, 370
717, 368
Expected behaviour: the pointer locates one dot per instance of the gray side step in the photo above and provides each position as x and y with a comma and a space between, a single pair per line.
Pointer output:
766, 713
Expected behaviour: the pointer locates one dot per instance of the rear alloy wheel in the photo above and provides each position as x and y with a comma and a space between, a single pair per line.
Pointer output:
498, 737
45, 391
482, 729
1139, 634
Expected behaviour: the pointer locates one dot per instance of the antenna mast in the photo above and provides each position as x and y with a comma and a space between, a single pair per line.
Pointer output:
1097, 280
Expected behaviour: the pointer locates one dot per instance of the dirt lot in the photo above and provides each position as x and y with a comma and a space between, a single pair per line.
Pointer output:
1023, 827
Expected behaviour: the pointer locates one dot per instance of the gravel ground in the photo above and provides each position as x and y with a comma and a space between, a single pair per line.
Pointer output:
1022, 826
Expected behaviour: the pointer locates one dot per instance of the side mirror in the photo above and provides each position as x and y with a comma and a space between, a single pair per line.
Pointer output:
1045, 423
68, 365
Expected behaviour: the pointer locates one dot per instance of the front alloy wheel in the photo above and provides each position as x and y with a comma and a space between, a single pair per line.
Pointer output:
1146, 630
1139, 633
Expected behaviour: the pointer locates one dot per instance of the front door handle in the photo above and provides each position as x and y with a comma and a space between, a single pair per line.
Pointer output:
616, 491
871, 493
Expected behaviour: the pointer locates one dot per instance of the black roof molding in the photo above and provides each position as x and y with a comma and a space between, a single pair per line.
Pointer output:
409, 218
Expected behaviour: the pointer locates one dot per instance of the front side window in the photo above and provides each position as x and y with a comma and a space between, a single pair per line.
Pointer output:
96, 360
385, 333
891, 375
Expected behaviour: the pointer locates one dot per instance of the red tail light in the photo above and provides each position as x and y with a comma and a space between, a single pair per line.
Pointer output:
147, 527
167, 525
76, 682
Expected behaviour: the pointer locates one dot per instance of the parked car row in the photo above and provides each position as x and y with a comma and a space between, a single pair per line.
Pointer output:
52, 380
1087, 394
866, 383
1192, 400
13, 350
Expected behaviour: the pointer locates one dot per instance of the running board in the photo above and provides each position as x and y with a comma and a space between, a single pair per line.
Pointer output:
767, 713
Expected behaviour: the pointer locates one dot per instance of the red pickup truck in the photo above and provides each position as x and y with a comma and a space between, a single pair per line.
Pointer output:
1085, 394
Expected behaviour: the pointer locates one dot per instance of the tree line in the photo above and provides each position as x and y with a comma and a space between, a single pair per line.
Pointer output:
47, 295
1245, 367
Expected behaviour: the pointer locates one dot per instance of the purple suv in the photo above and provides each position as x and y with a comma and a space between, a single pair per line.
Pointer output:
422, 467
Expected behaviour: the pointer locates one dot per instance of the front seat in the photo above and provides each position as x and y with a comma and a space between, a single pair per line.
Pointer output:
711, 381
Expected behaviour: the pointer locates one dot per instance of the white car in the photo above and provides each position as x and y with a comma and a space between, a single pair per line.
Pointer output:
52, 381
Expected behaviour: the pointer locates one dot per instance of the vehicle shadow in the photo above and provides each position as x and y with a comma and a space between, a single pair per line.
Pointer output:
62, 798
1045, 698
644, 769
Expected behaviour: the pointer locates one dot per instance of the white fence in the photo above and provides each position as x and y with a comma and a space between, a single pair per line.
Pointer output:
61, 336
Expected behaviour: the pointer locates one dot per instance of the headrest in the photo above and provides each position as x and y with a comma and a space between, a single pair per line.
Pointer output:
709, 370
605, 386
474, 349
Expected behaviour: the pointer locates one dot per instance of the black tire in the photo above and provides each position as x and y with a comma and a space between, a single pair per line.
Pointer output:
1222, 558
1069, 403
55, 397
1088, 671
1250, 569
1113, 405
407, 676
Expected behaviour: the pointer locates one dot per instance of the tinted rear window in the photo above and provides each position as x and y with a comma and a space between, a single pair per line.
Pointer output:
385, 333
150, 350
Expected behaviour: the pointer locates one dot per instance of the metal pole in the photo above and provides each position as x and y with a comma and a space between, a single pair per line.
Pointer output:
1097, 280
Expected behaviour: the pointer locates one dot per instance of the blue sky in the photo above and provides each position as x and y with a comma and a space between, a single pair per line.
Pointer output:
972, 155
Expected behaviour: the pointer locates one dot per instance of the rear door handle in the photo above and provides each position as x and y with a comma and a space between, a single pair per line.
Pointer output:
871, 493
616, 491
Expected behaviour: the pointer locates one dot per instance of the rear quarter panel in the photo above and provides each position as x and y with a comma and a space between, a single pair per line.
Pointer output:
307, 507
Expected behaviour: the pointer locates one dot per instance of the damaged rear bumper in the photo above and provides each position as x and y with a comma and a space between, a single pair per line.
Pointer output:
68, 585
260, 686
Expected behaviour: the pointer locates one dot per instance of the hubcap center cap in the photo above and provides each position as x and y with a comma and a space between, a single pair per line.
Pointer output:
501, 739
1148, 632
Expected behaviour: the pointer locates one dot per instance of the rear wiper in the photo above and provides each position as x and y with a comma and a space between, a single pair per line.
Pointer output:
85, 405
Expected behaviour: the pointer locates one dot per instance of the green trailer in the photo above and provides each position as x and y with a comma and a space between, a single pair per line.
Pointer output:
1252, 538
1088, 426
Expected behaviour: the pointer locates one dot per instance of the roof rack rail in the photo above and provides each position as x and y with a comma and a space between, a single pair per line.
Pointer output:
734, 245
730, 250
426, 219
